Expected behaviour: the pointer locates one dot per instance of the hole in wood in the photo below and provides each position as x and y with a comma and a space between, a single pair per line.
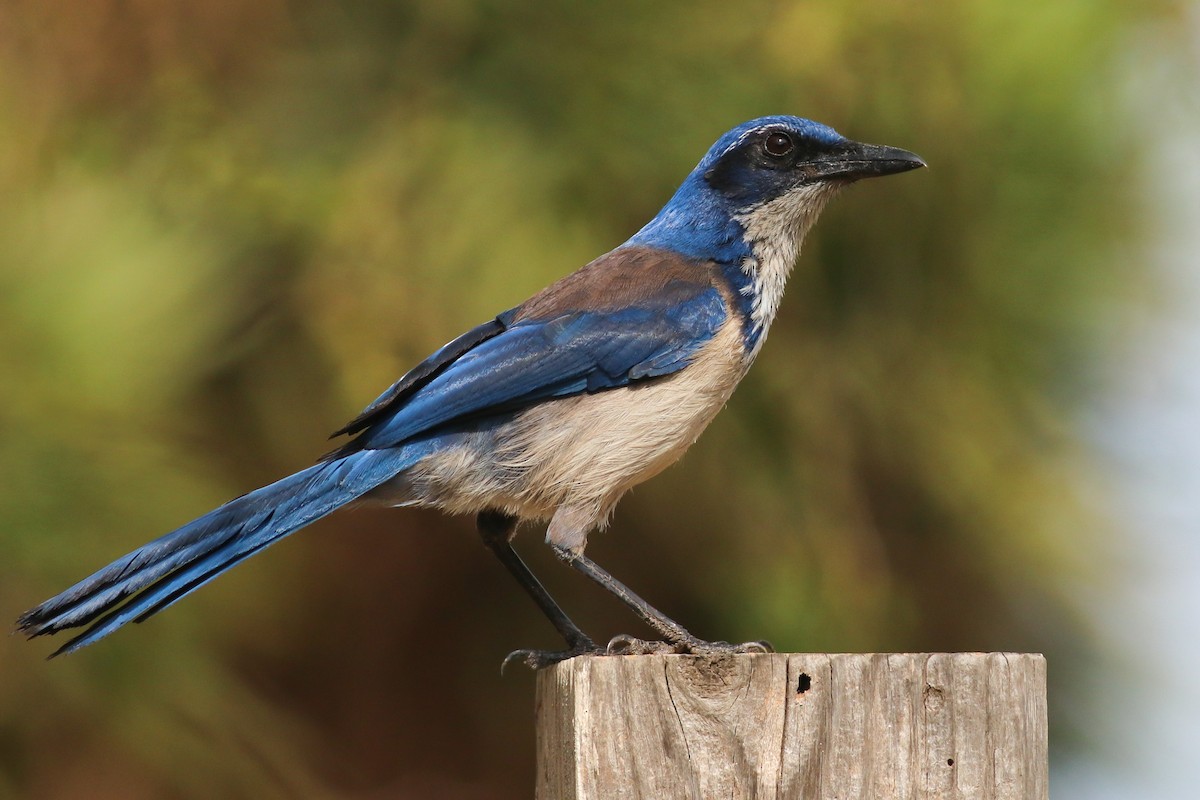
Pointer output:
804, 684
949, 762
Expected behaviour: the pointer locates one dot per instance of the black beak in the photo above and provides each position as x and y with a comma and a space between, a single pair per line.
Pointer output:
856, 160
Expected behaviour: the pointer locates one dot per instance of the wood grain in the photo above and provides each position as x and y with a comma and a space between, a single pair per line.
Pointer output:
845, 726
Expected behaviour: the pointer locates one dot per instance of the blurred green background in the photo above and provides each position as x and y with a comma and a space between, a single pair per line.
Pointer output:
226, 226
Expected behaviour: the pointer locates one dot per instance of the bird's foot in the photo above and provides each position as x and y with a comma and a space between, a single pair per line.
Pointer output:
540, 659
624, 645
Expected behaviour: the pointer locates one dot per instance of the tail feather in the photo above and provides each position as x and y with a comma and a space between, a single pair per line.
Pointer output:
178, 563
159, 596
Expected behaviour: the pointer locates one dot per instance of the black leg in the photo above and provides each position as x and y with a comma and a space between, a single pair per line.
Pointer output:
678, 637
496, 530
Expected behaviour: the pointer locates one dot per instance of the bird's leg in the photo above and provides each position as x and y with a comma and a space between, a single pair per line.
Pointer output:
496, 529
676, 638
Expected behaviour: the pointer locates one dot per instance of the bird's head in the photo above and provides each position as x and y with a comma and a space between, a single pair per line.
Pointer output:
769, 177
773, 157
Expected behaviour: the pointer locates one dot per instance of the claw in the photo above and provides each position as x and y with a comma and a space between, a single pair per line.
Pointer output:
540, 659
625, 645
702, 648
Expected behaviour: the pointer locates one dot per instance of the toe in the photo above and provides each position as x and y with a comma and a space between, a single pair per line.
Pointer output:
626, 645
540, 659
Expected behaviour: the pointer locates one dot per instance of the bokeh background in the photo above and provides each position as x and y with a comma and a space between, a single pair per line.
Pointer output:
226, 226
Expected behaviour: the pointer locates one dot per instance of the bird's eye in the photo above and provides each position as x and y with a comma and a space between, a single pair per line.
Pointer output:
778, 144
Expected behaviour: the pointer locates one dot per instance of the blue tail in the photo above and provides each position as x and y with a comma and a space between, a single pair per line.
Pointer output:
182, 561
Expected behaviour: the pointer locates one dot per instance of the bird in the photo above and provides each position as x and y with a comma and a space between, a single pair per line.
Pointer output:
553, 409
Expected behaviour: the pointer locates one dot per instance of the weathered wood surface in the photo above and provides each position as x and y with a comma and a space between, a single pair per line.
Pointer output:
878, 726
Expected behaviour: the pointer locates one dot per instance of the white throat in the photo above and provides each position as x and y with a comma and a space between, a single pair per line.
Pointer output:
775, 230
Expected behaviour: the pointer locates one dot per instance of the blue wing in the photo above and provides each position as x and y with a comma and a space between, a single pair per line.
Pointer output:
548, 349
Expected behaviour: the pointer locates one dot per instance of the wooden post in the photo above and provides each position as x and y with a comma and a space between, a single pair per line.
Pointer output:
877, 726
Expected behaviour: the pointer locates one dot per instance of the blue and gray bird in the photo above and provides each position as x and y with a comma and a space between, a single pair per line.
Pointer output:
553, 409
